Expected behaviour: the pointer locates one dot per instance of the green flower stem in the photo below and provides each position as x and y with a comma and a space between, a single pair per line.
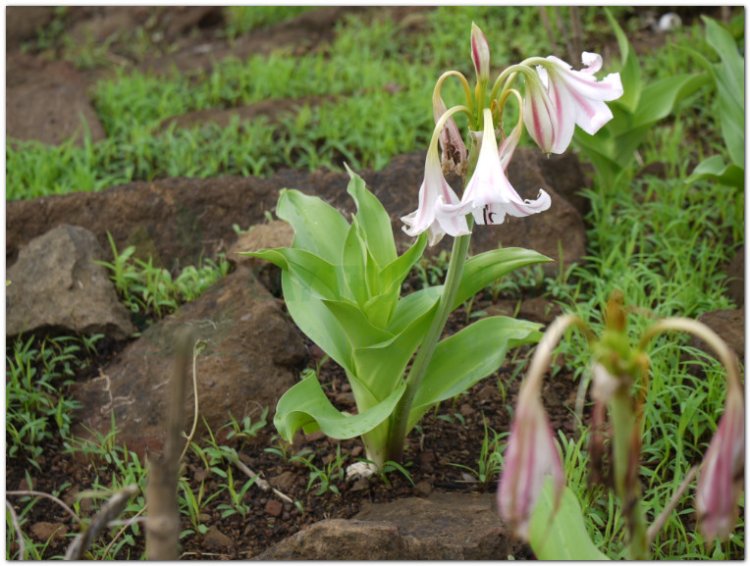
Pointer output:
400, 417
624, 427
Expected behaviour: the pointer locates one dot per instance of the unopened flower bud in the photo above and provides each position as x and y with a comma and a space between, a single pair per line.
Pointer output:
480, 53
721, 476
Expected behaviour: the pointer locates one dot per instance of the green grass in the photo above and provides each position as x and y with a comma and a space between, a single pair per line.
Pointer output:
244, 19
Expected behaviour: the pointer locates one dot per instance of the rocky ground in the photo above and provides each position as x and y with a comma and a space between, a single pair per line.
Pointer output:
254, 352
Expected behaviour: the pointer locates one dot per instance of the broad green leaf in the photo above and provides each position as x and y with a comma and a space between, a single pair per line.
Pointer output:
379, 309
359, 331
560, 535
305, 406
373, 220
462, 360
318, 227
413, 305
630, 71
382, 365
316, 320
730, 85
660, 97
488, 267
396, 271
714, 168
353, 265
312, 271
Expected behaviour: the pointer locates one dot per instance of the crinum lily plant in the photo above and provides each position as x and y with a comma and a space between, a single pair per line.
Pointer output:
342, 280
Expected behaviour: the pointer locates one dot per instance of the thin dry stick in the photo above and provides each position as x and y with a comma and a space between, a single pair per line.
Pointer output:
47, 496
163, 526
656, 526
195, 396
260, 482
17, 527
119, 534
109, 511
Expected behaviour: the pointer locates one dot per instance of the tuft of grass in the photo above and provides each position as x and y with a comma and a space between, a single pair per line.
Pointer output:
151, 290
244, 19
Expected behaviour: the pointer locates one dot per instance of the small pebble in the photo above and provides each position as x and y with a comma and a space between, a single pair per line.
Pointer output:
466, 410
356, 451
423, 488
274, 507
43, 531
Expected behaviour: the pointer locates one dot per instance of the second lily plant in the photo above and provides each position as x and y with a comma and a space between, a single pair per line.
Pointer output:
342, 279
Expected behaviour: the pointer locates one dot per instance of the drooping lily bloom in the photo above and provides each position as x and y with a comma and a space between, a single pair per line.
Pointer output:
453, 155
576, 97
720, 483
531, 456
489, 196
480, 53
434, 192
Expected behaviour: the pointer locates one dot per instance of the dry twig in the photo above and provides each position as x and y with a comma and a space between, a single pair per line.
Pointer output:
17, 527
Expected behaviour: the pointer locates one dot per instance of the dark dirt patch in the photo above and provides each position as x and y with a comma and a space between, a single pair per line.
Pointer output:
448, 437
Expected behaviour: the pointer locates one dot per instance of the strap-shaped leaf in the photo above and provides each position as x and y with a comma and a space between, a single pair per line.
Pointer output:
353, 265
305, 406
469, 356
730, 85
414, 305
560, 534
630, 71
312, 271
360, 332
715, 168
382, 365
488, 267
318, 227
315, 319
373, 220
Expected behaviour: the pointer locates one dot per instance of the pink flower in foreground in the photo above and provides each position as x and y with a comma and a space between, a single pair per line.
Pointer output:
489, 195
434, 192
576, 97
530, 457
721, 476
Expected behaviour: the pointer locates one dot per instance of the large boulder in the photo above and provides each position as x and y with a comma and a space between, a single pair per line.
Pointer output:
250, 356
57, 283
445, 526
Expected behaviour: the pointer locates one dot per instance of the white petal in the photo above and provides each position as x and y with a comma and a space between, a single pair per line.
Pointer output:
592, 62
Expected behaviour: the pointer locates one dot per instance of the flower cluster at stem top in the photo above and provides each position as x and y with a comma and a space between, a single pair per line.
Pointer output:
555, 99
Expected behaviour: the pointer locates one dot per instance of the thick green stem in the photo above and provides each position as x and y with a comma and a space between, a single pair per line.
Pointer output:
625, 452
400, 417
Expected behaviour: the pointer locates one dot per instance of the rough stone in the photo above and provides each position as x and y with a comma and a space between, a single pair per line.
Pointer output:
55, 283
274, 234
445, 526
46, 101
284, 482
214, 539
44, 531
181, 220
729, 325
251, 357
736, 273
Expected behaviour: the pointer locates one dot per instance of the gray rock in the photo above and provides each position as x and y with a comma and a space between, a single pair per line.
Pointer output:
214, 539
445, 526
55, 283
274, 234
251, 357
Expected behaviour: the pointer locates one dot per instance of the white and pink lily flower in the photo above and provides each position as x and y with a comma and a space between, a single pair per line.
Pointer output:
573, 97
453, 156
489, 196
720, 483
531, 457
433, 194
